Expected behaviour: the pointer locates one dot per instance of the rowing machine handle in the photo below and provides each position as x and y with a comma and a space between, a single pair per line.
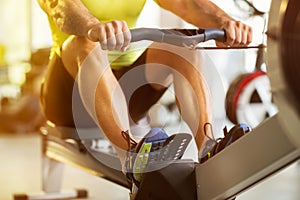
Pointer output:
175, 37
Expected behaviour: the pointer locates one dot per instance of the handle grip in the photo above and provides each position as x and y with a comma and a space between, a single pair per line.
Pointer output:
177, 37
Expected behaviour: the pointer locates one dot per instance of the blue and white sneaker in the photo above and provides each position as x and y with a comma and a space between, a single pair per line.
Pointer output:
155, 147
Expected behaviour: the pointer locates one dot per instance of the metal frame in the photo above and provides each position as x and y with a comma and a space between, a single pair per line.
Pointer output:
246, 162
62, 151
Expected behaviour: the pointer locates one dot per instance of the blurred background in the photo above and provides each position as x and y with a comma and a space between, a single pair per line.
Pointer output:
24, 49
25, 40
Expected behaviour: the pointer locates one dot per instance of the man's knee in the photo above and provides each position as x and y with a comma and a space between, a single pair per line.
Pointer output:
74, 51
76, 46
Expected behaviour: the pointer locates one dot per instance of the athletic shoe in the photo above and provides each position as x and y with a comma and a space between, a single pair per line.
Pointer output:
215, 146
155, 147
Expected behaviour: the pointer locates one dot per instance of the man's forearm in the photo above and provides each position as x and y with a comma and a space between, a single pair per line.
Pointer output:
212, 15
201, 13
70, 16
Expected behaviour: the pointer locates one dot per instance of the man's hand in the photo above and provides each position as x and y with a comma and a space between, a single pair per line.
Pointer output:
237, 34
113, 35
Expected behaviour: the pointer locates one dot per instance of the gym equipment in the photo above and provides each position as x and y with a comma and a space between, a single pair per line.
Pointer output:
239, 166
283, 54
249, 98
276, 141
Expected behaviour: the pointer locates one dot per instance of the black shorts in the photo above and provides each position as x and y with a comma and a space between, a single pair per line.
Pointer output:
62, 104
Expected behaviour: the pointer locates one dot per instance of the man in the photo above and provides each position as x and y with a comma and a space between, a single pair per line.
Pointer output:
92, 53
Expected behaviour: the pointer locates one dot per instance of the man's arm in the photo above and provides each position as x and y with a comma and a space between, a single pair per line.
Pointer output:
70, 16
73, 18
204, 13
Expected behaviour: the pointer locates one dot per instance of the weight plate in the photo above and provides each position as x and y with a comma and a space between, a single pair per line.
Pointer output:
249, 99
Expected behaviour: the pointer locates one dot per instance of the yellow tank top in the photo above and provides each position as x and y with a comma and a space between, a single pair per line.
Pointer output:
106, 10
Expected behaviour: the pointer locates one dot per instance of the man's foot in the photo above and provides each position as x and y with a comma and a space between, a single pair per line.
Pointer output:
215, 146
155, 147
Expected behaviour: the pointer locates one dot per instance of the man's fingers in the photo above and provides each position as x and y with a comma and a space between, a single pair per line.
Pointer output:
113, 35
237, 34
249, 35
127, 40
230, 33
126, 35
110, 36
102, 38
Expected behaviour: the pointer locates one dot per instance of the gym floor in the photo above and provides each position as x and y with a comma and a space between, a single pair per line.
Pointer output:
21, 173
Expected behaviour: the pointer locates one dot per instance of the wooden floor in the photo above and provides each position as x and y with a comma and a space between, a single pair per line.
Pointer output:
20, 172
